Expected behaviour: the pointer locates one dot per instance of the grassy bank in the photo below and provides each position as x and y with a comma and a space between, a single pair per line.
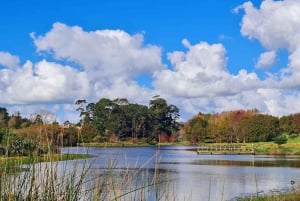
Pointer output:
131, 144
13, 162
295, 196
292, 147
24, 160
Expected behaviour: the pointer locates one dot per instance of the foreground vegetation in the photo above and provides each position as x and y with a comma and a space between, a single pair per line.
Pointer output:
72, 181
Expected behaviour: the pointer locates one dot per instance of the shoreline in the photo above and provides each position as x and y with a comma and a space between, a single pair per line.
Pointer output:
260, 148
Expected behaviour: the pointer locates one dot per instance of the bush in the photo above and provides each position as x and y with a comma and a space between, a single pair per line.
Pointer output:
293, 136
282, 139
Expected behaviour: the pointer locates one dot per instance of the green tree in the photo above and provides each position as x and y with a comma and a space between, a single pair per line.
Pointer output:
105, 118
261, 128
137, 118
244, 126
197, 129
285, 124
80, 108
122, 120
70, 135
4, 117
295, 119
89, 113
88, 133
163, 117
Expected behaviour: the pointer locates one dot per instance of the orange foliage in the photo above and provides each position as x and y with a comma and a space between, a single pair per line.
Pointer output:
164, 137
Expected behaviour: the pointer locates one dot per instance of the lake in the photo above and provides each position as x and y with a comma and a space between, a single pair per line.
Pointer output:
195, 177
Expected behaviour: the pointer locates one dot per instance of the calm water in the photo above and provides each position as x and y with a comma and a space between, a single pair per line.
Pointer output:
201, 177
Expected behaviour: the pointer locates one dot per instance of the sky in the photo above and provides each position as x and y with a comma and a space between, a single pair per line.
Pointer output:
203, 56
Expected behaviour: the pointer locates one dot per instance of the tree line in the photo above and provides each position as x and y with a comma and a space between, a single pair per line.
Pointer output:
119, 120
240, 126
103, 121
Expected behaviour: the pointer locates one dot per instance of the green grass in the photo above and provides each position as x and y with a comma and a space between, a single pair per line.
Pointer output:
295, 196
294, 140
292, 147
17, 160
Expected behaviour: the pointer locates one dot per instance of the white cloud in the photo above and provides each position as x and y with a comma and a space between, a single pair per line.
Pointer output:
43, 82
8, 60
102, 53
276, 25
266, 60
202, 72
280, 102
110, 60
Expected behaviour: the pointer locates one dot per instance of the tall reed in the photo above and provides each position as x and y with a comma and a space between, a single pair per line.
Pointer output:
79, 180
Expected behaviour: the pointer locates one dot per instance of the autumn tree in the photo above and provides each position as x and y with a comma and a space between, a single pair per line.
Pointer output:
234, 119
88, 133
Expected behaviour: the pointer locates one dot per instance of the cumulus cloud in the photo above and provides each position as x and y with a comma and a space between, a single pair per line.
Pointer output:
276, 25
101, 53
109, 60
8, 60
43, 82
266, 60
202, 72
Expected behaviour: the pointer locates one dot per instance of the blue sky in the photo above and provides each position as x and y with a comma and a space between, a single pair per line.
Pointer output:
203, 56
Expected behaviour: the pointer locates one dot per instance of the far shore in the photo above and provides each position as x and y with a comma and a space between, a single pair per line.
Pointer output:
292, 147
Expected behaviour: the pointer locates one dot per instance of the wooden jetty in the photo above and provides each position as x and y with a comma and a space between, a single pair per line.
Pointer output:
225, 149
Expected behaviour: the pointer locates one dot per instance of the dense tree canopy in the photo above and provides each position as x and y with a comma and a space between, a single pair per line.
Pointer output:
124, 120
236, 126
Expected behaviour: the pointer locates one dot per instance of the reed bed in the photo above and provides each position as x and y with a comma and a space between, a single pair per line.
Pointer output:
79, 180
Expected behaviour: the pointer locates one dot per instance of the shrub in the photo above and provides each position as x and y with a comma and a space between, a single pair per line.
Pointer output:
282, 139
293, 136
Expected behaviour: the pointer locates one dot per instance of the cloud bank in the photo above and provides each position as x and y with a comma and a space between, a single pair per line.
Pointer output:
105, 63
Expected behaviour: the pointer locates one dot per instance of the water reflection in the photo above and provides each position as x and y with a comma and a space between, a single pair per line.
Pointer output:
199, 177
255, 163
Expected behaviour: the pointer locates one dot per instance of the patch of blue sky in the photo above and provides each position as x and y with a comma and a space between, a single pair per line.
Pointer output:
145, 80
